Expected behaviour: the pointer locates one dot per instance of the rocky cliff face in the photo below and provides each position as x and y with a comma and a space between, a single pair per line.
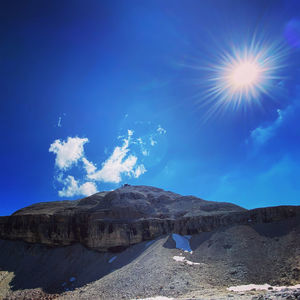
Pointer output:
131, 214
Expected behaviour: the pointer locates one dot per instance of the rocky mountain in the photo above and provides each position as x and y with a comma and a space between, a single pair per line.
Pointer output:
231, 255
47, 250
112, 221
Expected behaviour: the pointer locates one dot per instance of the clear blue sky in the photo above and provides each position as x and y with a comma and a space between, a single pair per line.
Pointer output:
95, 94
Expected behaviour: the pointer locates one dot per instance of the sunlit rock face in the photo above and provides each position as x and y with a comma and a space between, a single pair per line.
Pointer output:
112, 221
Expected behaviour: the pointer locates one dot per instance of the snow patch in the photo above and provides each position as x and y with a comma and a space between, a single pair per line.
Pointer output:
182, 242
183, 259
179, 258
191, 262
260, 287
112, 259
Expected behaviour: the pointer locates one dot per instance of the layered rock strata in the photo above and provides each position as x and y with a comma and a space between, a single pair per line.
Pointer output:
112, 221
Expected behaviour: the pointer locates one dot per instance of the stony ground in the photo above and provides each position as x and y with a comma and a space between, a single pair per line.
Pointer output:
231, 256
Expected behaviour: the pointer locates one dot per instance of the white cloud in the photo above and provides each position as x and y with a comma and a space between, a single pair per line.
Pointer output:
161, 130
88, 188
68, 152
119, 163
89, 166
123, 161
59, 122
72, 188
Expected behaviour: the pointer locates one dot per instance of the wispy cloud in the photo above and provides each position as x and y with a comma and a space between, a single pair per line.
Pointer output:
161, 130
139, 141
262, 134
145, 152
119, 163
152, 141
139, 170
59, 122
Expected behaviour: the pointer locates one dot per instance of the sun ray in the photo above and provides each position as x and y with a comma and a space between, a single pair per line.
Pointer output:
241, 76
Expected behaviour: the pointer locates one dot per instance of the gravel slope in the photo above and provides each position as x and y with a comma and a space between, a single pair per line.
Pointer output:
233, 255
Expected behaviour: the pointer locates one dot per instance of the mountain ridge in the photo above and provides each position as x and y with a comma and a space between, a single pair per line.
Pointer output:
112, 221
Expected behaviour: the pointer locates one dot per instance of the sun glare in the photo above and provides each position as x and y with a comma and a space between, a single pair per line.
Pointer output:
241, 76
245, 75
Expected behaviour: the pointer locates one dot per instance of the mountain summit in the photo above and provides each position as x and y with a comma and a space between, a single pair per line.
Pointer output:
112, 221
133, 203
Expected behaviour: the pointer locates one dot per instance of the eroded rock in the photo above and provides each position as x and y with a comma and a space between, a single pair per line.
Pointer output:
131, 214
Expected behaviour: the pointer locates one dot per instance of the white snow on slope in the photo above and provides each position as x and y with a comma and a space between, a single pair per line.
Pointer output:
261, 287
112, 259
183, 259
191, 262
179, 258
182, 242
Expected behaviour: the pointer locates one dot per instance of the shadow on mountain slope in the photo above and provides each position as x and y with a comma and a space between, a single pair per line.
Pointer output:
56, 270
231, 255
259, 253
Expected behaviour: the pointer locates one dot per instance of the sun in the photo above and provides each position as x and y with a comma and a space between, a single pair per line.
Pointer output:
245, 74
241, 76
238, 75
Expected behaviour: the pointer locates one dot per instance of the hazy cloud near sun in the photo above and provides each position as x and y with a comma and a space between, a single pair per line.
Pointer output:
122, 162
262, 134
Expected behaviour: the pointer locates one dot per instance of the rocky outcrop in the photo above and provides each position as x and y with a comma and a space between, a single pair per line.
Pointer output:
115, 220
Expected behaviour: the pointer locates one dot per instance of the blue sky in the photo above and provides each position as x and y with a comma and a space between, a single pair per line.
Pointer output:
95, 94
